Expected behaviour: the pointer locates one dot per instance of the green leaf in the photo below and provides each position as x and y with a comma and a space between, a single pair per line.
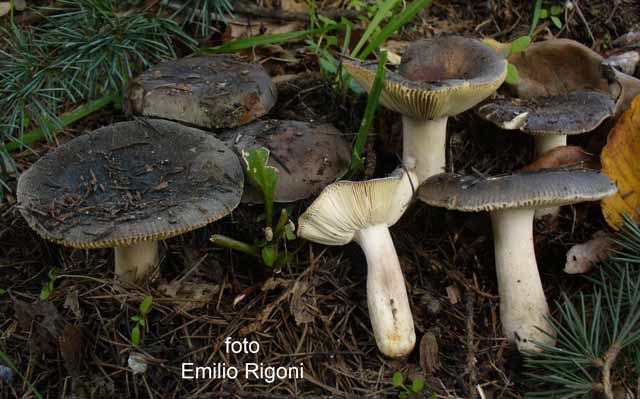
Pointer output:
135, 335
544, 13
288, 233
417, 385
146, 304
397, 379
263, 177
512, 75
369, 114
537, 10
241, 44
403, 395
556, 10
373, 25
136, 318
142, 322
394, 25
556, 21
269, 255
2, 291
519, 45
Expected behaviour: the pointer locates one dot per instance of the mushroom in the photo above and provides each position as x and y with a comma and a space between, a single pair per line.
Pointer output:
511, 201
218, 91
362, 211
550, 119
127, 186
308, 156
437, 78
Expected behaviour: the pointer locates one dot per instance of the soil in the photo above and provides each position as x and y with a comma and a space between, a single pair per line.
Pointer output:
76, 343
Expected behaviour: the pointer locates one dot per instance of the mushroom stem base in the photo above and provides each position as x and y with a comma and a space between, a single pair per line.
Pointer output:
523, 306
424, 146
547, 143
134, 262
387, 298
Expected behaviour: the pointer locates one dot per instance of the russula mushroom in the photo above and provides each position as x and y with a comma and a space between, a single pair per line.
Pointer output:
308, 156
550, 119
212, 92
437, 78
127, 186
362, 211
511, 201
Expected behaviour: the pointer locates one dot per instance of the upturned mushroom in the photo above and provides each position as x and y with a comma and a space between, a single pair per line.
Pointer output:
362, 211
212, 92
127, 186
437, 78
308, 156
511, 201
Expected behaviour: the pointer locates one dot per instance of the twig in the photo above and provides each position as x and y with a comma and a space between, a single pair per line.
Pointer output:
608, 360
471, 347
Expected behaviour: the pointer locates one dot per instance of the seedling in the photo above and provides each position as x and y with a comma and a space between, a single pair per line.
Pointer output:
265, 178
48, 288
416, 386
139, 319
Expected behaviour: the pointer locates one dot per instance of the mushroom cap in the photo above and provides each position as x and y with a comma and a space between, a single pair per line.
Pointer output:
218, 91
308, 156
566, 114
130, 182
345, 207
532, 189
438, 77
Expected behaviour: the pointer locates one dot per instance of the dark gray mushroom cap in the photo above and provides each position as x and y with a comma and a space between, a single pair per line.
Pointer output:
535, 189
218, 91
130, 182
578, 112
308, 156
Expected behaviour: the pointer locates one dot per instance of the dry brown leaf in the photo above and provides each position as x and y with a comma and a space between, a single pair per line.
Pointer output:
429, 353
620, 161
72, 303
300, 302
191, 295
563, 157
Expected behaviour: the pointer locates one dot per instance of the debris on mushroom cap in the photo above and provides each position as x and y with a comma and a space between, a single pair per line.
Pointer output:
308, 156
130, 182
531, 189
218, 91
437, 77
574, 113
345, 207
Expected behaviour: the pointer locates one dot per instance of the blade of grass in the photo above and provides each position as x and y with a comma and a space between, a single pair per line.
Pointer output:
65, 120
536, 16
9, 363
249, 42
373, 25
369, 113
396, 23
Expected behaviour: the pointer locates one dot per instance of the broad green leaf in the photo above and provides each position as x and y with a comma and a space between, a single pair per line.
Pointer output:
135, 335
544, 13
397, 379
520, 44
417, 385
512, 75
288, 232
556, 21
393, 26
269, 255
263, 177
556, 10
146, 304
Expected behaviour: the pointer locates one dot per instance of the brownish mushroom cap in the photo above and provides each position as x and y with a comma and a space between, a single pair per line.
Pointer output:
566, 114
218, 91
437, 77
532, 189
308, 156
130, 183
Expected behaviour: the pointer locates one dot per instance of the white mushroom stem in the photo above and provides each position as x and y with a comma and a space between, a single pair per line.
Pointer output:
424, 145
387, 299
523, 306
549, 142
134, 262
544, 144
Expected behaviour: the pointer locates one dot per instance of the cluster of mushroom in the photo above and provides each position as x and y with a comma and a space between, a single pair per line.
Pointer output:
128, 185
439, 78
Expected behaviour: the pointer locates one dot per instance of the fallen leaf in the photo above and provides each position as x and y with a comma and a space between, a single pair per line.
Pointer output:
44, 321
300, 302
620, 162
190, 295
429, 353
582, 257
563, 157
71, 302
